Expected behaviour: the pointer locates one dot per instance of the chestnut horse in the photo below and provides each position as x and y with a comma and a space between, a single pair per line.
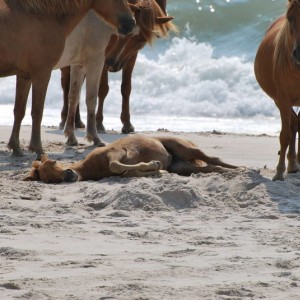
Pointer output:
33, 34
277, 71
133, 156
121, 54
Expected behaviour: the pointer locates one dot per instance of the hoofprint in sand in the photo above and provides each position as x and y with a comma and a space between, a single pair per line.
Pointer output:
208, 236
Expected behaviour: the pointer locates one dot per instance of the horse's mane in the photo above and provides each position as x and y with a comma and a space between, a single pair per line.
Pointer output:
283, 49
149, 12
49, 7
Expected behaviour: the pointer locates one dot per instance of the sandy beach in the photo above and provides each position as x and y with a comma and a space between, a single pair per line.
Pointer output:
207, 236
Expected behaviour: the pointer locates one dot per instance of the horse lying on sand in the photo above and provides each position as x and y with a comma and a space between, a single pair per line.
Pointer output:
277, 72
134, 156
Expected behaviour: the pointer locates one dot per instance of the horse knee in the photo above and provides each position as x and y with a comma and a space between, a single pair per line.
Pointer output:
115, 167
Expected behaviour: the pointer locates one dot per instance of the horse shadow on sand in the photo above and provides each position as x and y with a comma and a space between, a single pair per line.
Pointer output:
284, 193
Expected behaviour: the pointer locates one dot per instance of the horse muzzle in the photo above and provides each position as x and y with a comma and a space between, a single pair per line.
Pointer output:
126, 25
70, 175
113, 65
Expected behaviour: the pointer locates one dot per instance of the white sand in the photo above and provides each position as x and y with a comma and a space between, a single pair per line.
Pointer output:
232, 236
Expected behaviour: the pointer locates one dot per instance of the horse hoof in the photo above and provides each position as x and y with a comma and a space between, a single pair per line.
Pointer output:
72, 142
127, 129
157, 164
101, 129
17, 153
79, 125
278, 177
99, 143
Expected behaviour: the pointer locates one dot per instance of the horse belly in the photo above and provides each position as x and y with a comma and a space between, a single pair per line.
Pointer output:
146, 150
29, 43
263, 67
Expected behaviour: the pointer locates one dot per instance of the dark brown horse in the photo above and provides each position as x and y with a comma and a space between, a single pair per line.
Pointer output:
33, 34
121, 54
277, 71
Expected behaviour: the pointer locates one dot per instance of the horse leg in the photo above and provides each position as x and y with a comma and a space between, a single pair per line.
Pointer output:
102, 93
94, 69
39, 89
22, 90
292, 161
76, 81
136, 170
187, 151
285, 139
65, 84
186, 168
298, 129
65, 74
126, 91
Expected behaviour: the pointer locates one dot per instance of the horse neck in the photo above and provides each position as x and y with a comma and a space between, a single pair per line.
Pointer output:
83, 169
69, 22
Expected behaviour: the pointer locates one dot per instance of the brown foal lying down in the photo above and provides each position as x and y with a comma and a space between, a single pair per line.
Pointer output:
133, 156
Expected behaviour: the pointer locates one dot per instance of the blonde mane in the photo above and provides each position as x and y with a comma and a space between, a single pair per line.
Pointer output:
146, 20
49, 7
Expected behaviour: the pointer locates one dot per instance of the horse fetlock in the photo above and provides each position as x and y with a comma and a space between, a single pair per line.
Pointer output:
17, 152
153, 165
72, 141
278, 177
94, 138
101, 128
37, 148
98, 142
14, 145
68, 131
127, 128
293, 167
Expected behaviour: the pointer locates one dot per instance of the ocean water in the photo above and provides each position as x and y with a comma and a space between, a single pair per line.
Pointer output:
200, 79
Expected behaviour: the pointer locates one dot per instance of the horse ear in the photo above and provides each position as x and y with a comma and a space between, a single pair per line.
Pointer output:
163, 20
34, 172
134, 8
36, 164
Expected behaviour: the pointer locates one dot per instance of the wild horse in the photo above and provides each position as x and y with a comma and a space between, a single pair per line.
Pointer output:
277, 71
33, 34
121, 54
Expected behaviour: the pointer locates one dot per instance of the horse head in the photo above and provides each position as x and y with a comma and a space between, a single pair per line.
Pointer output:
151, 22
50, 171
293, 18
117, 13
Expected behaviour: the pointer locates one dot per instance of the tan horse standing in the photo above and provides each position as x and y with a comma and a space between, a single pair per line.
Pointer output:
33, 34
277, 71
121, 54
